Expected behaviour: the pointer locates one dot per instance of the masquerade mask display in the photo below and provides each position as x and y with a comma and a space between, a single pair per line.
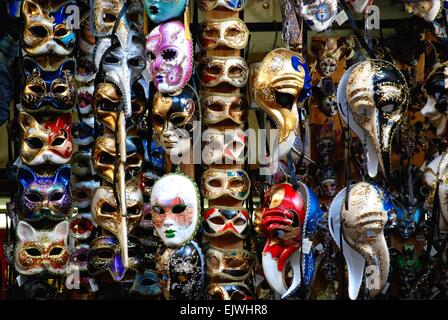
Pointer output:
283, 80
48, 89
234, 5
146, 284
81, 163
83, 192
436, 92
160, 11
223, 146
319, 14
360, 5
175, 212
218, 221
218, 107
82, 226
50, 141
372, 97
216, 183
47, 29
231, 264
104, 154
39, 251
181, 272
228, 291
43, 196
426, 9
171, 47
231, 33
172, 120
362, 225
214, 71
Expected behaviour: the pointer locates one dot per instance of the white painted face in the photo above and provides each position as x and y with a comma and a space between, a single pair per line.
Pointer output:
319, 14
359, 5
426, 9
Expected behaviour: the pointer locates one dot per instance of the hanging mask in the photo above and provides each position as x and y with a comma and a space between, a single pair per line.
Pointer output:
214, 71
233, 5
104, 157
329, 54
85, 98
39, 251
48, 30
81, 163
173, 119
43, 196
319, 14
103, 15
218, 221
171, 49
218, 107
223, 146
79, 256
156, 154
326, 98
228, 291
105, 256
372, 98
81, 226
360, 5
229, 264
370, 209
82, 193
161, 11
175, 212
47, 142
407, 220
83, 133
328, 183
426, 9
146, 284
234, 183
436, 91
48, 89
181, 272
283, 80
231, 33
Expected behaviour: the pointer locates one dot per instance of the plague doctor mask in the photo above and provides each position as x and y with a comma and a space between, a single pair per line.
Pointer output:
218, 107
163, 10
319, 14
216, 183
231, 33
214, 71
218, 221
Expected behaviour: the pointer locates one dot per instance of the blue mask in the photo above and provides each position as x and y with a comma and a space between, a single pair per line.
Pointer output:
157, 158
163, 10
146, 284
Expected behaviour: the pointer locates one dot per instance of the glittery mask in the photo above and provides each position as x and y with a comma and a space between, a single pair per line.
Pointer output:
234, 5
146, 284
214, 71
426, 9
319, 14
48, 89
231, 33
103, 15
218, 221
39, 251
48, 27
218, 107
216, 183
175, 212
223, 146
162, 10
82, 193
228, 291
82, 226
43, 196
230, 264
47, 142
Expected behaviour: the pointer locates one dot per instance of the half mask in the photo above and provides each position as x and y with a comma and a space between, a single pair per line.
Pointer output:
228, 291
223, 146
218, 221
231, 33
218, 107
319, 14
216, 183
82, 192
82, 226
146, 284
161, 11
229, 264
233, 5
215, 70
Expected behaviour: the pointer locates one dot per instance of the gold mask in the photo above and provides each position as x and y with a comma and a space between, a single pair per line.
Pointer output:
231, 33
231, 264
218, 107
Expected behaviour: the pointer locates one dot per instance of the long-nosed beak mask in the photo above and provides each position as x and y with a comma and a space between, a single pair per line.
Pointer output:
362, 225
372, 97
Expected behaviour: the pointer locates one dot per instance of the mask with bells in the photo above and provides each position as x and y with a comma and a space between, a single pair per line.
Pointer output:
161, 11
326, 97
231, 33
319, 14
426, 9
218, 221
215, 70
372, 97
370, 210
234, 183
228, 291
233, 5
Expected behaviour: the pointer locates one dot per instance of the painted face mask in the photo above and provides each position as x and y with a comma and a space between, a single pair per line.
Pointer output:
146, 284
326, 98
161, 11
233, 5
223, 146
218, 221
328, 183
231, 33
362, 226
172, 120
234, 183
43, 196
39, 251
48, 30
372, 97
230, 264
82, 192
436, 92
218, 107
105, 256
171, 49
175, 212
319, 14
426, 9
283, 80
156, 155
82, 226
214, 71
48, 89
228, 291
81, 164
104, 154
50, 141
359, 5
181, 272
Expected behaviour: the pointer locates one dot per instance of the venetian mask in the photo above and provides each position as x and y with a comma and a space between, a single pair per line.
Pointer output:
79, 256
359, 5
39, 251
228, 291
47, 142
171, 49
48, 89
161, 11
283, 80
156, 155
83, 133
81, 164
219, 107
372, 97
175, 211
219, 221
426, 9
86, 39
319, 14
230, 264
231, 33
149, 178
146, 284
48, 29
329, 54
233, 5
214, 71
363, 243
103, 16
216, 183
436, 91
181, 272
42, 196
82, 193
326, 98
82, 226
223, 146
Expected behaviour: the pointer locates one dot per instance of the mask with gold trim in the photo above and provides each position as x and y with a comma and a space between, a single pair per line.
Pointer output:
426, 9
218, 221
215, 70
230, 264
82, 192
228, 291
218, 107
233, 5
216, 183
82, 226
231, 33
223, 146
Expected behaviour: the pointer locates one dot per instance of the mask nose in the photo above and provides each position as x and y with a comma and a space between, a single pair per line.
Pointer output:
168, 133
168, 223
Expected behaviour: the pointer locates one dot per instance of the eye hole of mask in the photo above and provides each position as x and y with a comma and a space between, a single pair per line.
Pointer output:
82, 194
388, 108
135, 62
236, 184
106, 105
232, 32
147, 282
105, 253
56, 251
211, 33
238, 295
217, 220
58, 142
236, 106
82, 257
365, 111
157, 120
33, 252
179, 208
133, 160
61, 31
239, 222
107, 208
37, 89
215, 107
34, 143
215, 183
235, 71
213, 261
233, 262
177, 120
133, 210
33, 197
109, 17
213, 69
57, 196
106, 158
59, 89
39, 31
284, 99
169, 54
158, 209
111, 59
137, 106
